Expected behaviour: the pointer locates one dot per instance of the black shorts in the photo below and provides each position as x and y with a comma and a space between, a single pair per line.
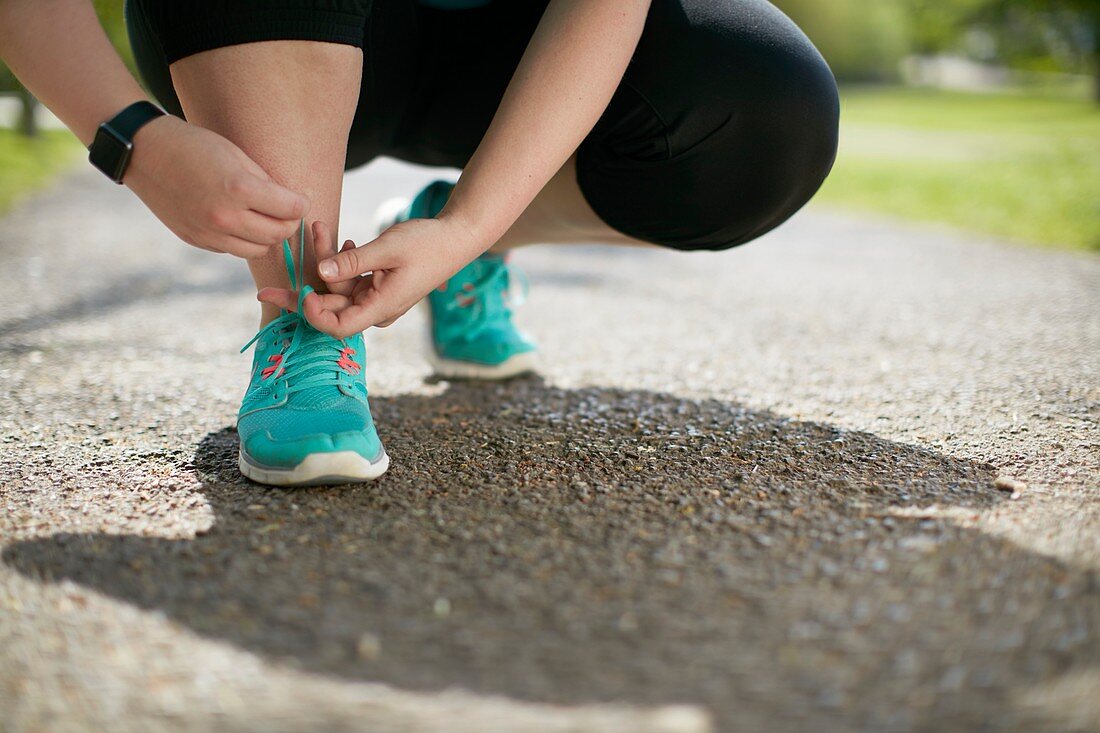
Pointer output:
724, 125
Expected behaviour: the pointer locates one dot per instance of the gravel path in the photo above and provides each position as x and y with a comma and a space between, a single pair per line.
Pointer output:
846, 478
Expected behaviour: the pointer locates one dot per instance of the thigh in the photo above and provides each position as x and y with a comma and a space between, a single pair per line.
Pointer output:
724, 126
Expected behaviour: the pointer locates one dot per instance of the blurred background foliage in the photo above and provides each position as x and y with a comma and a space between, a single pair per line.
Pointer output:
865, 40
979, 113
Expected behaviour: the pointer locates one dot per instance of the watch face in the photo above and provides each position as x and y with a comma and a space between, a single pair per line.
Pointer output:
110, 152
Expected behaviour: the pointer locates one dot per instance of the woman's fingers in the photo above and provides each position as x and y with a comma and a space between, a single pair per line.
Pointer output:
354, 261
268, 197
342, 317
288, 299
264, 230
320, 317
339, 313
356, 318
281, 297
230, 244
207, 191
347, 287
325, 248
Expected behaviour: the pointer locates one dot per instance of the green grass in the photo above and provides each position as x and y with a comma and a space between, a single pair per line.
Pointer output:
1021, 167
29, 164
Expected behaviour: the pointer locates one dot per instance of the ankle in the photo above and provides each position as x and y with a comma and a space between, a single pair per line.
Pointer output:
268, 313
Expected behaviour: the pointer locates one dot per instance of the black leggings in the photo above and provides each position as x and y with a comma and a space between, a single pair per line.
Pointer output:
724, 125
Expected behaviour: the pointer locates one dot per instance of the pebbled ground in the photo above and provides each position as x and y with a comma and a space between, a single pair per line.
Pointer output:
844, 478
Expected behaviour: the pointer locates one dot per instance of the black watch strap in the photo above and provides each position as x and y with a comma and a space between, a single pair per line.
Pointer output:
114, 141
127, 122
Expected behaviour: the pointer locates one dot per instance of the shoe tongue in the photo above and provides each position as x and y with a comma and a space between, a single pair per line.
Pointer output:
323, 396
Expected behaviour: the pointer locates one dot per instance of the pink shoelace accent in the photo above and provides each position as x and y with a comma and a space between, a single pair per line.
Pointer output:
346, 363
276, 360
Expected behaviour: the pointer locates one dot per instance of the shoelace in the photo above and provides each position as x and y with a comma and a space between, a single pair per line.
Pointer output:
487, 310
309, 357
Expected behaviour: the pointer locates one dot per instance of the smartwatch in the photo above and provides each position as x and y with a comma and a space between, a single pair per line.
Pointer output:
114, 141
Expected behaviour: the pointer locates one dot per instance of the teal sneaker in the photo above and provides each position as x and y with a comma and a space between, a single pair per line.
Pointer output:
305, 419
471, 330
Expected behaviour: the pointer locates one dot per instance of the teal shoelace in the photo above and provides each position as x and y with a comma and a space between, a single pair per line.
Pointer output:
485, 310
309, 358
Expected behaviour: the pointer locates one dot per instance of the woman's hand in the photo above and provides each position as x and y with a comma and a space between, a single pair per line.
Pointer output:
208, 192
406, 262
203, 187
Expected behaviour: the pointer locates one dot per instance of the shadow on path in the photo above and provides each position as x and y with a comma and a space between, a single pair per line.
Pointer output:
595, 544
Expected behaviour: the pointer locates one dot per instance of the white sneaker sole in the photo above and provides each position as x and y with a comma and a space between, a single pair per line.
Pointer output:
444, 368
318, 469
450, 369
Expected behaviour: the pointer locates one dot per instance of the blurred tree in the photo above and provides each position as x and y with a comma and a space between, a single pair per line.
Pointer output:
8, 82
28, 117
936, 25
1038, 35
1072, 27
863, 40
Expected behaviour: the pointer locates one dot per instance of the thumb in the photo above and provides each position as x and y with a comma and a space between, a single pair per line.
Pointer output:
353, 262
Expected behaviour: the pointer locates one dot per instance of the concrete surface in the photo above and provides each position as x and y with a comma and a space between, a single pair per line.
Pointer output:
845, 478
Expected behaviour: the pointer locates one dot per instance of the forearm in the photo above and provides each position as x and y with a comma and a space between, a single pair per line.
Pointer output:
58, 50
566, 78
